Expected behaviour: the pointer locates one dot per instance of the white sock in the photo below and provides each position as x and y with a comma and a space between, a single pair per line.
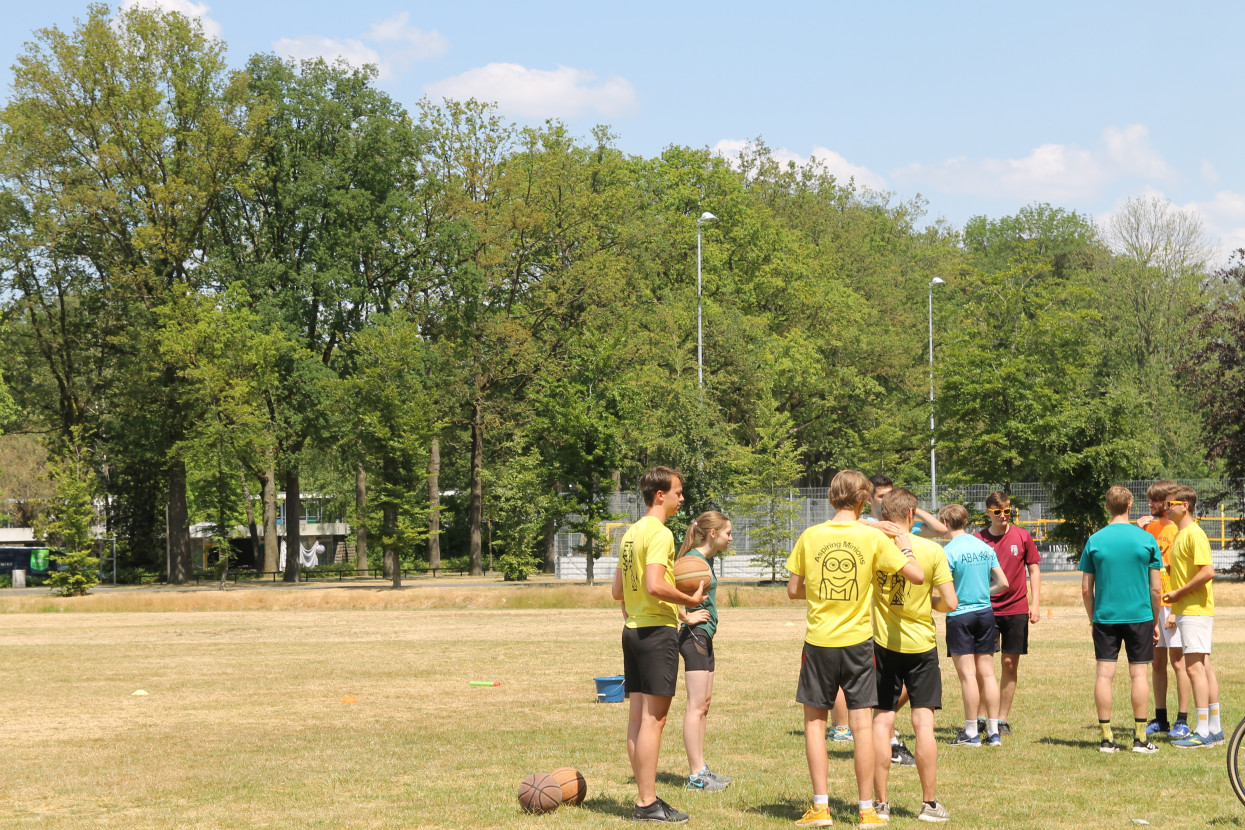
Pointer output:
970, 728
894, 740
867, 804
1213, 713
822, 799
1203, 722
992, 726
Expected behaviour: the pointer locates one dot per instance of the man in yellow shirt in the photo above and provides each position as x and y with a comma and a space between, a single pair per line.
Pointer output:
832, 568
1193, 613
644, 584
905, 649
1168, 648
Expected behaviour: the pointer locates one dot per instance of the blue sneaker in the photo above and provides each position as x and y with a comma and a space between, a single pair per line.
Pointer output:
1179, 731
1216, 738
963, 739
994, 741
841, 734
1154, 727
1194, 741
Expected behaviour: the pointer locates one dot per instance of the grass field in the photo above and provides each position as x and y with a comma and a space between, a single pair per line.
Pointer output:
244, 724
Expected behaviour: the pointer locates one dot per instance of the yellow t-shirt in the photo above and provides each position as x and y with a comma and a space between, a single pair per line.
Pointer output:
838, 561
903, 617
1189, 552
647, 542
1164, 532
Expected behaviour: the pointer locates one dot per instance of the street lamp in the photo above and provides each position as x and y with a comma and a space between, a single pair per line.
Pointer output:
700, 344
933, 473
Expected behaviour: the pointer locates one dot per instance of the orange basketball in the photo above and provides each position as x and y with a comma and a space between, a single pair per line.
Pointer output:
574, 787
539, 793
689, 572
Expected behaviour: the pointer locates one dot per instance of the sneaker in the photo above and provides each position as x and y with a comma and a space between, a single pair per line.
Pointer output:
963, 739
981, 726
935, 813
1144, 746
704, 783
816, 816
870, 818
883, 809
1179, 731
1216, 738
1005, 728
659, 811
994, 741
1194, 741
1108, 746
725, 779
1155, 727
840, 734
901, 756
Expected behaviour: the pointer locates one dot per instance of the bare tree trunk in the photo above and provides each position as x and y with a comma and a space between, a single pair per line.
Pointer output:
434, 504
256, 560
589, 548
476, 508
389, 523
180, 565
360, 509
293, 515
272, 553
551, 558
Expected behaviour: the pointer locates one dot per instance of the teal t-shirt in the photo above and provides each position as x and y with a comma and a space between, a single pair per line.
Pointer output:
971, 561
710, 602
1121, 556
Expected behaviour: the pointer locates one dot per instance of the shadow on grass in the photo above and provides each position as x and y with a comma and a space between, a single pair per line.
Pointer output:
1226, 821
843, 812
1086, 744
671, 779
609, 806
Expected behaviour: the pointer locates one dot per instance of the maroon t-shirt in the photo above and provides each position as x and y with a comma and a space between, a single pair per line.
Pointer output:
1015, 550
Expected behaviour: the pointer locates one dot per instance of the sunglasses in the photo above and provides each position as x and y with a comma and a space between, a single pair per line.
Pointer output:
999, 511
1174, 503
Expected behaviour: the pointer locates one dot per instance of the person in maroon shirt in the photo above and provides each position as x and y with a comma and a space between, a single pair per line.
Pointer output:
1013, 612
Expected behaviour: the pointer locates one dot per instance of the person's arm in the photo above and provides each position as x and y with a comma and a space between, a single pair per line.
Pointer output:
1035, 585
1204, 575
655, 583
1155, 600
912, 570
795, 587
998, 581
616, 591
932, 523
1087, 594
945, 600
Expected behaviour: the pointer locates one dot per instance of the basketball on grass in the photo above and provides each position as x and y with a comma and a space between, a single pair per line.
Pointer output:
574, 787
539, 793
689, 572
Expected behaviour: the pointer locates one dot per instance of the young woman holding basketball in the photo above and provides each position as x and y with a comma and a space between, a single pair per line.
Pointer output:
708, 536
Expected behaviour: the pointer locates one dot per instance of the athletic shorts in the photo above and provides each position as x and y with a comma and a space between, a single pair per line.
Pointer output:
696, 646
1168, 637
651, 660
1013, 633
972, 633
1138, 640
825, 670
1196, 632
918, 671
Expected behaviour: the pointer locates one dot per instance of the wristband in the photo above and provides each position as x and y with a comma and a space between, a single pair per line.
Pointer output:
906, 551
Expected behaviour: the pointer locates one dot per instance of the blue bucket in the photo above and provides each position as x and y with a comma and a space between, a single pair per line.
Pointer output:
610, 689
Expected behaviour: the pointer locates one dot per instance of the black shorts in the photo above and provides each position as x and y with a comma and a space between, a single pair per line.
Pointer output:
918, 671
1138, 640
1013, 633
972, 633
823, 671
651, 660
696, 646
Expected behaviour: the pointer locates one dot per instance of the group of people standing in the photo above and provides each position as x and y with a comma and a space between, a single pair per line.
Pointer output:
870, 585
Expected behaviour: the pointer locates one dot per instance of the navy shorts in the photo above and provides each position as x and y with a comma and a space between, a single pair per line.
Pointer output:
972, 633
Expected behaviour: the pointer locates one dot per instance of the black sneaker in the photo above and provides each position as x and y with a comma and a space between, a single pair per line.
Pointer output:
901, 756
1105, 746
981, 726
658, 811
1005, 729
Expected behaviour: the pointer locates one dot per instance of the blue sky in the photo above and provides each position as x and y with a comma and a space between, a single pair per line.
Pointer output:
978, 107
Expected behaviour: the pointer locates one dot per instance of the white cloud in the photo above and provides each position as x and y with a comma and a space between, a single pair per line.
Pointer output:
1052, 172
186, 7
843, 170
564, 92
1224, 216
1209, 174
390, 45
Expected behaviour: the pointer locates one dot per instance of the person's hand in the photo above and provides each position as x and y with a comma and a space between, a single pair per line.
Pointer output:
1144, 520
700, 615
890, 529
699, 596
1171, 622
1156, 632
1033, 615
1169, 598
903, 540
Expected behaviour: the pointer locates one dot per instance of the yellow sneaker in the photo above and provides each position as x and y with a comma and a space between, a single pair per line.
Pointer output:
816, 816
870, 818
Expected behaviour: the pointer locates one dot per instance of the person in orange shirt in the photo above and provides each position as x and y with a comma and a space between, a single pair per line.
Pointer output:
1168, 649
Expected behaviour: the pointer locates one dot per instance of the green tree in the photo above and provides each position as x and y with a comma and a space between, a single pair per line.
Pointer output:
69, 517
761, 490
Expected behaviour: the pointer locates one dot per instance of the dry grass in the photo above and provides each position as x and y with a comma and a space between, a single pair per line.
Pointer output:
244, 726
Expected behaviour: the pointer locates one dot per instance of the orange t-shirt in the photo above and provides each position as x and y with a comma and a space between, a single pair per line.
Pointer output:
1164, 532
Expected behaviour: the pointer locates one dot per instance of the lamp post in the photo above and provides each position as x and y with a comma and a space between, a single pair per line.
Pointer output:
700, 344
933, 466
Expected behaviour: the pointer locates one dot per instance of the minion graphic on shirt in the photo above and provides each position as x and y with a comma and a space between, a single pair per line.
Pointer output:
838, 578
